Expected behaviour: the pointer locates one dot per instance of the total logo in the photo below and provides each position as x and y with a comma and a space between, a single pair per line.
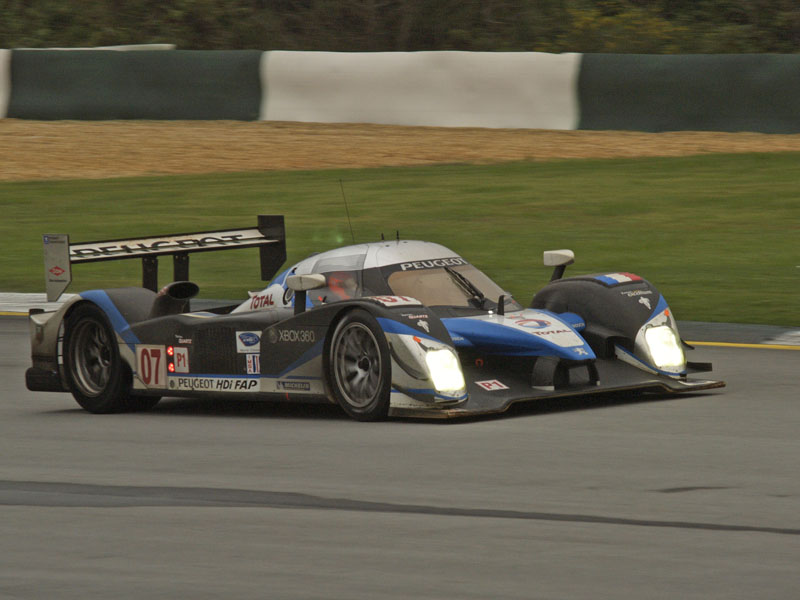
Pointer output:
57, 271
531, 323
262, 301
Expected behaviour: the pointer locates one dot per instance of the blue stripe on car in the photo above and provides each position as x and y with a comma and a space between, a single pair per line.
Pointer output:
392, 326
648, 365
504, 339
660, 307
118, 322
307, 356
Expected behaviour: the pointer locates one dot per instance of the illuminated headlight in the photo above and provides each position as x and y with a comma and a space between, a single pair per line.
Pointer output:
445, 370
665, 348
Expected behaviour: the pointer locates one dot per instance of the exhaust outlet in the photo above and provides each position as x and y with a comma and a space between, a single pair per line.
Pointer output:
174, 298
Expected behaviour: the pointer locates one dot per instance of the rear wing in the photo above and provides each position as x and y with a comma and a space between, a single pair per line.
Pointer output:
59, 254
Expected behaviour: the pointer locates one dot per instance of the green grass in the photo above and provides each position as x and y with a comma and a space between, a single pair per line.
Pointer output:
719, 234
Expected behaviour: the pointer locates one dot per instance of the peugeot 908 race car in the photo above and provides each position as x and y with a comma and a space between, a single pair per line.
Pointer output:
401, 328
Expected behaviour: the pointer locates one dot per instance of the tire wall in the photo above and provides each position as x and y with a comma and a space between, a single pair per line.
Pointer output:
755, 92
150, 84
708, 92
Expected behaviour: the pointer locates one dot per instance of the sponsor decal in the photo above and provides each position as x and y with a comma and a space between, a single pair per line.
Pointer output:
531, 323
288, 295
151, 365
248, 341
262, 301
181, 360
634, 293
253, 364
538, 324
646, 302
183, 340
215, 384
424, 325
580, 351
163, 245
391, 301
492, 385
294, 386
55, 239
433, 264
304, 336
550, 332
411, 316
57, 271
272, 335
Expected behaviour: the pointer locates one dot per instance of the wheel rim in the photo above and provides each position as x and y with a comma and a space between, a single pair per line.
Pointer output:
91, 357
357, 365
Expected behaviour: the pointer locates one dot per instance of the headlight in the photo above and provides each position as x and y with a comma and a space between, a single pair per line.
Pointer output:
445, 370
665, 348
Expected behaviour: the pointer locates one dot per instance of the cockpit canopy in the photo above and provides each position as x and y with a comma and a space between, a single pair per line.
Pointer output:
438, 281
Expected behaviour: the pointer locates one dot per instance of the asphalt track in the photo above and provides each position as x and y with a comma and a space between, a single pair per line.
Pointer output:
673, 497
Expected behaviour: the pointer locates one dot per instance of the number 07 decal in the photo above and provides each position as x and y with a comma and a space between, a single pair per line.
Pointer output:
151, 366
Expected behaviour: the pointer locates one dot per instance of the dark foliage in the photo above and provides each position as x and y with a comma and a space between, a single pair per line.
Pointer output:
645, 26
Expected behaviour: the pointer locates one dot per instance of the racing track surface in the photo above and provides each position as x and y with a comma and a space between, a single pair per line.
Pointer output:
679, 497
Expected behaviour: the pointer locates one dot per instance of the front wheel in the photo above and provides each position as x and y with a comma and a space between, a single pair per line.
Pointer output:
359, 367
97, 376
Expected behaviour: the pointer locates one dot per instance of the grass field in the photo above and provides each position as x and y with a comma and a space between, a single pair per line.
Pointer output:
718, 234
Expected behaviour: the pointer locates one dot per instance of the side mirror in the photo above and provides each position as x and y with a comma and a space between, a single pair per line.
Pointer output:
556, 258
300, 284
559, 259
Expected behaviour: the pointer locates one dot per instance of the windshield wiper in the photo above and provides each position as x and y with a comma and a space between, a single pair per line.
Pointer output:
470, 288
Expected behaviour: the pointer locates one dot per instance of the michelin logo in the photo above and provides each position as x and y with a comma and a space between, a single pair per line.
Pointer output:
294, 386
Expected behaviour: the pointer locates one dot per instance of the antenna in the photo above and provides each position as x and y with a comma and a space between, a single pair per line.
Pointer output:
347, 210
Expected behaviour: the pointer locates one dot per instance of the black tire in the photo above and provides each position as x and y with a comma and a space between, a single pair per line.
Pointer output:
359, 367
96, 375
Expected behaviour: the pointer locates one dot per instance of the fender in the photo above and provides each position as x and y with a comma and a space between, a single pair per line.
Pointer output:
614, 306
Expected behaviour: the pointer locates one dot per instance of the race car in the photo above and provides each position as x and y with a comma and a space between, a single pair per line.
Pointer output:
387, 328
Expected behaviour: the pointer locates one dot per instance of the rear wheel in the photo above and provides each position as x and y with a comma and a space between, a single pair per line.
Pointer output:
359, 367
98, 378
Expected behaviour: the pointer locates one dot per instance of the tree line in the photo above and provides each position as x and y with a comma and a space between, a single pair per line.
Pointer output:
624, 26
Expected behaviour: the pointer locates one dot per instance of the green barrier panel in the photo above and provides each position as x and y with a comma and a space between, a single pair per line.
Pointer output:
109, 84
708, 92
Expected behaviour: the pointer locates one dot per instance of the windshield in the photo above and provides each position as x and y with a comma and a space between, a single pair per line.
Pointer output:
461, 285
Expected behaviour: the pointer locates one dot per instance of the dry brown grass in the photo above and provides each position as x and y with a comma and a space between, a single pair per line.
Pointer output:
99, 149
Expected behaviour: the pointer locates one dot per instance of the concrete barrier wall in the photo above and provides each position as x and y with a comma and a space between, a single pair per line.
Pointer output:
451, 89
456, 89
5, 81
